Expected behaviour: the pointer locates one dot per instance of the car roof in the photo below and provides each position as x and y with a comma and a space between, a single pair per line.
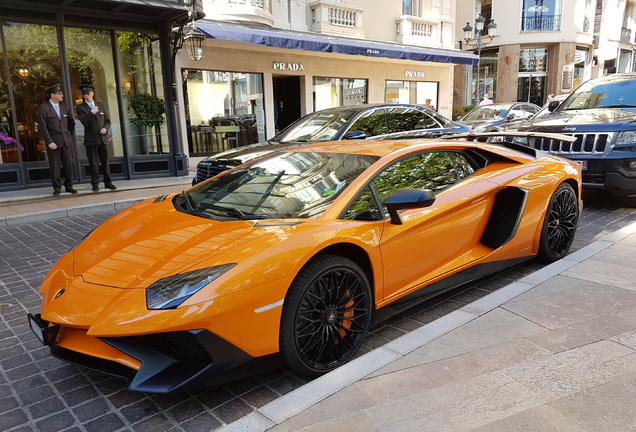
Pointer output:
360, 107
382, 148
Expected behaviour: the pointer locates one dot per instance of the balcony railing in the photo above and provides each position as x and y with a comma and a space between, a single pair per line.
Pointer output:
541, 23
626, 35
336, 18
418, 31
242, 11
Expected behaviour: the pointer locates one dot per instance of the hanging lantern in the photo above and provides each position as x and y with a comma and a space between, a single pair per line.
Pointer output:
194, 41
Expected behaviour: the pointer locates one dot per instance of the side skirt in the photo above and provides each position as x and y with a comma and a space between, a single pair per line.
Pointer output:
455, 281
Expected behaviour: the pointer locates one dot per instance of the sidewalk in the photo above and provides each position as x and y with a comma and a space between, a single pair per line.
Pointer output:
554, 351
39, 203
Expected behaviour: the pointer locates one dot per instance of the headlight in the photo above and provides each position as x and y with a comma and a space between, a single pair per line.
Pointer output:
625, 137
170, 292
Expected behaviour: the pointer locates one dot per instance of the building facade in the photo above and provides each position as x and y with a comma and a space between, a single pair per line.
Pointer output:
266, 63
123, 49
269, 62
545, 47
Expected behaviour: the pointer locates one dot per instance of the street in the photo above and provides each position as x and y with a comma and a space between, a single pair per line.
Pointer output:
41, 393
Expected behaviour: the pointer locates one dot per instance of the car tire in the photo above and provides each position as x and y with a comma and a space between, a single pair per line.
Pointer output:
326, 315
559, 224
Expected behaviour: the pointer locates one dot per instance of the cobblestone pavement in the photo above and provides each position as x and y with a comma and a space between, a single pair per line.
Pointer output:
41, 393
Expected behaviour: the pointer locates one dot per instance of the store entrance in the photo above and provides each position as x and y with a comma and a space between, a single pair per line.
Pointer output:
531, 88
286, 100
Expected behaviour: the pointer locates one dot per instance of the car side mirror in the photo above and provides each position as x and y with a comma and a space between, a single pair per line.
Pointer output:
553, 105
355, 135
407, 198
510, 116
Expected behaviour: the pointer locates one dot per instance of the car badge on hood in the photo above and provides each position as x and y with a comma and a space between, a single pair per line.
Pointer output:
569, 129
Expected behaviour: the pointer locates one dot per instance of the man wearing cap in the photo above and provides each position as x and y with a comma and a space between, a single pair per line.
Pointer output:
96, 123
56, 129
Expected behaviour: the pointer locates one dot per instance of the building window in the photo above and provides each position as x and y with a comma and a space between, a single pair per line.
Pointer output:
533, 60
484, 7
224, 110
140, 69
413, 92
411, 7
334, 92
541, 15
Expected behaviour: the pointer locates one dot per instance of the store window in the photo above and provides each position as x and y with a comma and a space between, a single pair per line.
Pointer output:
34, 63
90, 61
541, 15
335, 92
224, 110
413, 92
142, 90
487, 74
581, 60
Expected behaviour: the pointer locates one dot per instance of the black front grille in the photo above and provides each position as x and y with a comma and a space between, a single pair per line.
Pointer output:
585, 144
207, 170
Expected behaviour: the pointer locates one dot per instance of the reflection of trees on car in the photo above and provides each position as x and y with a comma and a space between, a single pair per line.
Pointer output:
435, 171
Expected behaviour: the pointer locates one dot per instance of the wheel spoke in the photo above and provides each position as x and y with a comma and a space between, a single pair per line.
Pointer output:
332, 318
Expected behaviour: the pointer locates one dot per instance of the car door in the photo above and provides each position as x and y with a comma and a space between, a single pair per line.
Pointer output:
432, 240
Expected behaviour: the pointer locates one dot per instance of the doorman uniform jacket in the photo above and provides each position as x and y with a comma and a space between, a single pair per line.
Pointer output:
58, 130
93, 123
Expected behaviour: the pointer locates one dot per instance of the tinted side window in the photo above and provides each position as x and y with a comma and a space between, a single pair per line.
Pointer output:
406, 119
371, 122
433, 170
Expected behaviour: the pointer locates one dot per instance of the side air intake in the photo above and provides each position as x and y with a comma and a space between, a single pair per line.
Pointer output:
505, 217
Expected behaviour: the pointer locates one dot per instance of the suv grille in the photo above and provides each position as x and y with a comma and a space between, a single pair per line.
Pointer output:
207, 170
588, 144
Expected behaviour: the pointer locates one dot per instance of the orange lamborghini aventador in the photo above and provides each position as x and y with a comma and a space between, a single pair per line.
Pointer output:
287, 259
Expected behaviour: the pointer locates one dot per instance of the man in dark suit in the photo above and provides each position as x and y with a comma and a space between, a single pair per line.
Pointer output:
56, 129
96, 123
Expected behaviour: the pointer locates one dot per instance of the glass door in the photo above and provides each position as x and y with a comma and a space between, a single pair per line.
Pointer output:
531, 88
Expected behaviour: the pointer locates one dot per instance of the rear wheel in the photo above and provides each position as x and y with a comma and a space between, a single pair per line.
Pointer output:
559, 225
326, 315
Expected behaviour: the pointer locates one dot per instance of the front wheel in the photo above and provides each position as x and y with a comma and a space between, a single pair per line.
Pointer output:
560, 224
325, 316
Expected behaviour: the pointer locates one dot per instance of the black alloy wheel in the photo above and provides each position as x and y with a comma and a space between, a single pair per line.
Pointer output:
326, 315
559, 226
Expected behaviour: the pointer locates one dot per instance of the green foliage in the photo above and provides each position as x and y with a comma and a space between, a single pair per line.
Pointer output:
457, 113
148, 110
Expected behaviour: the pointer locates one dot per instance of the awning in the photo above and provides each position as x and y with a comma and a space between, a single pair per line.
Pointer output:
330, 44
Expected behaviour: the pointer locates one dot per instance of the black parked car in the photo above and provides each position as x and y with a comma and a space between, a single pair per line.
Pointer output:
601, 114
498, 117
384, 121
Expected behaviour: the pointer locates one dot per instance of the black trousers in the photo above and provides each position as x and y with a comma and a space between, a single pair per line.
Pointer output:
98, 155
58, 158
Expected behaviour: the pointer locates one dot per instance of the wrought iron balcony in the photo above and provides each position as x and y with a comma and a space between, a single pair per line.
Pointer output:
541, 23
626, 35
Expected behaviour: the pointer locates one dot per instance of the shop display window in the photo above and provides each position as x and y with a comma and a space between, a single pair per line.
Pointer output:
224, 110
335, 92
412, 92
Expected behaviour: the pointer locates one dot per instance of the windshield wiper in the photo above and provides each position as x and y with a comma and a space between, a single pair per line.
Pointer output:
234, 212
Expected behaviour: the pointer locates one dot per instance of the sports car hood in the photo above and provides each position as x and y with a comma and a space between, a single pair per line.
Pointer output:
568, 121
137, 247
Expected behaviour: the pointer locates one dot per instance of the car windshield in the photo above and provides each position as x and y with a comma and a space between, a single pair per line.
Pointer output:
488, 112
617, 93
320, 126
284, 186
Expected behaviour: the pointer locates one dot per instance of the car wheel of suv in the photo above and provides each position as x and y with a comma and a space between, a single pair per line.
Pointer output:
325, 316
559, 225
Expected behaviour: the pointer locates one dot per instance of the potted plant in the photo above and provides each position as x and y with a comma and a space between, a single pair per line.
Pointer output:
148, 112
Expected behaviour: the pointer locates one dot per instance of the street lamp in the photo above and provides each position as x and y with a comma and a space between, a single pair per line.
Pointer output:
480, 43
